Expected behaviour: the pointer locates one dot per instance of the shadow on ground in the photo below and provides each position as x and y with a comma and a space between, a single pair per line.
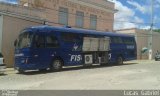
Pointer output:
3, 74
73, 69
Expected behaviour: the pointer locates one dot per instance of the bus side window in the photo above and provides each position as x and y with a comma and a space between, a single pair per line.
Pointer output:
52, 42
117, 40
129, 41
70, 37
39, 41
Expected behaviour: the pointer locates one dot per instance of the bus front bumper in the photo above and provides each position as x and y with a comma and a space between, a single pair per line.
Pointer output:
26, 67
129, 59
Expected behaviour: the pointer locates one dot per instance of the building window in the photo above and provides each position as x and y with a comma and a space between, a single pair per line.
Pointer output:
63, 16
93, 22
79, 19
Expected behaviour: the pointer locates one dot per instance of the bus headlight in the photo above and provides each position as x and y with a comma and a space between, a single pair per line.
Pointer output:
25, 61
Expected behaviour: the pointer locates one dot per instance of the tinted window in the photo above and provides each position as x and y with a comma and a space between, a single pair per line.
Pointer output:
39, 41
117, 40
129, 40
1, 55
51, 41
70, 37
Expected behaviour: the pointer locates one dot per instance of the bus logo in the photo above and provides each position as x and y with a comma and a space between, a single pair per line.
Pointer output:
75, 47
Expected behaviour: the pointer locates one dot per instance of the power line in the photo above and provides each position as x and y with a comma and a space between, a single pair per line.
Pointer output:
150, 41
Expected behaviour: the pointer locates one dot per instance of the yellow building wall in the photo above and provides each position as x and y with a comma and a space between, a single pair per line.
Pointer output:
102, 9
11, 29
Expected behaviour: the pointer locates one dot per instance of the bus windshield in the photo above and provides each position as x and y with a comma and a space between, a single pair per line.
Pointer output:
25, 40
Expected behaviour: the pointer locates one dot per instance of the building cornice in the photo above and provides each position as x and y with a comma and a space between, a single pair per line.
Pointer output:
22, 16
96, 5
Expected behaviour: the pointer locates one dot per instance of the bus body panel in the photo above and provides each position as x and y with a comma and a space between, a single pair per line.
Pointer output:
70, 53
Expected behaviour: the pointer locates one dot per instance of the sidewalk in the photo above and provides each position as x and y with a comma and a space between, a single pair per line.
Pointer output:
138, 61
10, 71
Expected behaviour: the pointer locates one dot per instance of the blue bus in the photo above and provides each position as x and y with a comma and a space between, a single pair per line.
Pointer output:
48, 47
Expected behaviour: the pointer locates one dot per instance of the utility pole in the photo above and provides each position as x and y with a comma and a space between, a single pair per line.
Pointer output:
150, 39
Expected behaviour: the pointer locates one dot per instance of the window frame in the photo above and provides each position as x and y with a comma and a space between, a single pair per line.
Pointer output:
35, 41
63, 15
130, 41
93, 21
75, 39
79, 17
117, 40
56, 45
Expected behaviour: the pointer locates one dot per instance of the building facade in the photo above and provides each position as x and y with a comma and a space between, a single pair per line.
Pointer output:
87, 14
142, 37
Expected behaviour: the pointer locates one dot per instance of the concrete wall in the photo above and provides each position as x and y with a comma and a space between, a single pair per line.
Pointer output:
156, 42
11, 29
142, 41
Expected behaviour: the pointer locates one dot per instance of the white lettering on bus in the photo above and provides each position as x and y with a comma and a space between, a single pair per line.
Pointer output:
76, 58
130, 46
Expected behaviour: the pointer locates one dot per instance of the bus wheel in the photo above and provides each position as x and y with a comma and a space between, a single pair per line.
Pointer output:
103, 64
20, 71
42, 70
56, 65
119, 60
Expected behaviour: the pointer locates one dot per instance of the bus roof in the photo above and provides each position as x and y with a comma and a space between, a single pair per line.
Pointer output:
76, 30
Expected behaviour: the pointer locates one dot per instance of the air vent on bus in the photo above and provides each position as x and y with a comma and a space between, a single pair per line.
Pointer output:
88, 59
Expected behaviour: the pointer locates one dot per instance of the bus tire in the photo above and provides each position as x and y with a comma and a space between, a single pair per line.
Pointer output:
56, 65
103, 64
20, 71
42, 70
156, 59
119, 60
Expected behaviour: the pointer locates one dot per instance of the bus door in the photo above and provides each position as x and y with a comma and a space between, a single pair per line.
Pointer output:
39, 50
52, 48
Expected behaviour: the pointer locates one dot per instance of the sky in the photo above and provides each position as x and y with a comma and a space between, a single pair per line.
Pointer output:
9, 1
136, 14
132, 13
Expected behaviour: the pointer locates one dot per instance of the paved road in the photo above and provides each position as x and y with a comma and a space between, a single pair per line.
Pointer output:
131, 75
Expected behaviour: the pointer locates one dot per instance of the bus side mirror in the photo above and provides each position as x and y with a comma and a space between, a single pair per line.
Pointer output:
15, 42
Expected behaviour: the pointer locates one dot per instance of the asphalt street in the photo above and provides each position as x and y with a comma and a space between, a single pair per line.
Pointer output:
132, 75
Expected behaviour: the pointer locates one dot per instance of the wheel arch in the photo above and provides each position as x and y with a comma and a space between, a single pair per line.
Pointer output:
59, 58
120, 55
